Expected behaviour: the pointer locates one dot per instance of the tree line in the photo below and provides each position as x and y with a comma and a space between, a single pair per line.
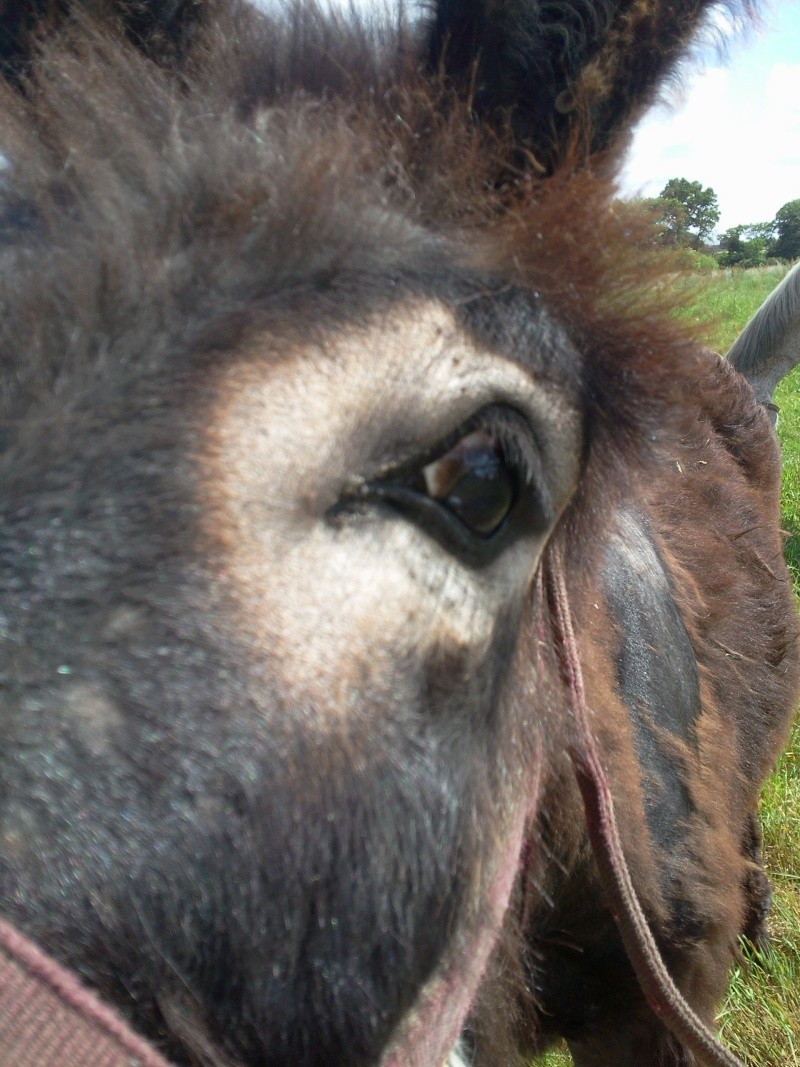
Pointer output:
685, 214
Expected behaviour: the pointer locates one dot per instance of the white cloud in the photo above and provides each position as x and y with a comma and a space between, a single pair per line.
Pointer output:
742, 141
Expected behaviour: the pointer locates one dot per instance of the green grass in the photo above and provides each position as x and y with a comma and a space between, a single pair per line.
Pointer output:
723, 301
760, 1019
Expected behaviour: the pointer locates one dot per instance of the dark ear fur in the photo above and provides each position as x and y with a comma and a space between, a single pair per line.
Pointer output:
161, 28
569, 75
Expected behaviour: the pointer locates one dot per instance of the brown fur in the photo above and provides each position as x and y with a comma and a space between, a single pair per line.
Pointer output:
215, 201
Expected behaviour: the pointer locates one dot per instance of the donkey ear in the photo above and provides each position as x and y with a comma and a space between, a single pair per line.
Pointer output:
569, 75
161, 28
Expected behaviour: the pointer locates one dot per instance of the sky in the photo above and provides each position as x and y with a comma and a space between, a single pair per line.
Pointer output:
733, 123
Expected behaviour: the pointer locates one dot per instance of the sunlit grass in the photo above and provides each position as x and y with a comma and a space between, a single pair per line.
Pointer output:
760, 1019
723, 301
761, 1016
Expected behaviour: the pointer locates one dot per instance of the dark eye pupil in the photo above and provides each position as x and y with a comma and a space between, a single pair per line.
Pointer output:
473, 481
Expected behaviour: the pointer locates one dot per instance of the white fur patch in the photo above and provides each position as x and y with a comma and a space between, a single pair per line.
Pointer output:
457, 1058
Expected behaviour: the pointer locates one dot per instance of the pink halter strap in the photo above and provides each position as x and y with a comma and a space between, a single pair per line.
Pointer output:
48, 1019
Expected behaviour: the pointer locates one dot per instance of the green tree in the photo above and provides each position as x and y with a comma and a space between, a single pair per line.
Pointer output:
669, 218
787, 229
763, 230
746, 245
699, 212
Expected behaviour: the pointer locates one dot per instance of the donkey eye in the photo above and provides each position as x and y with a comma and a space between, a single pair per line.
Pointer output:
474, 481
483, 482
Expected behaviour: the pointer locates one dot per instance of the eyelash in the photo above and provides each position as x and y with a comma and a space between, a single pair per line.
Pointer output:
511, 430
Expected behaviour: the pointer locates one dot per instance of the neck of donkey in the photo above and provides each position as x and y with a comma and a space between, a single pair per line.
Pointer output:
769, 346
662, 995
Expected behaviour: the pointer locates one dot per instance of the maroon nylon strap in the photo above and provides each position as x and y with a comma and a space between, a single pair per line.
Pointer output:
48, 1019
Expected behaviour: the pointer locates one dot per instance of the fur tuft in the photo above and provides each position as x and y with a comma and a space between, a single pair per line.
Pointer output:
161, 28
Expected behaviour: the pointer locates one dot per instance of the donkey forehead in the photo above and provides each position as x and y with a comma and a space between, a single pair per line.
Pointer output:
350, 378
384, 368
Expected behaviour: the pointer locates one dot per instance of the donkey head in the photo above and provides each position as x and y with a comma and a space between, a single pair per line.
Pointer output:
313, 332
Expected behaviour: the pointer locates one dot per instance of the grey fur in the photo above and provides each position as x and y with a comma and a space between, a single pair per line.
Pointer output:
769, 346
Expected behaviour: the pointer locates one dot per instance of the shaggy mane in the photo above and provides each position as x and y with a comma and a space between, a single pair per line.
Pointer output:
770, 327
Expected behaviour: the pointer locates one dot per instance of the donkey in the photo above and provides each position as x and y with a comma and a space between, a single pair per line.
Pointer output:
394, 630
769, 346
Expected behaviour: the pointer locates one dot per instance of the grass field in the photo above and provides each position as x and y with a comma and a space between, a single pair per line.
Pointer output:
760, 1019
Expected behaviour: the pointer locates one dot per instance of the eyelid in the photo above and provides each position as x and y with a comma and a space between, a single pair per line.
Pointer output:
513, 432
